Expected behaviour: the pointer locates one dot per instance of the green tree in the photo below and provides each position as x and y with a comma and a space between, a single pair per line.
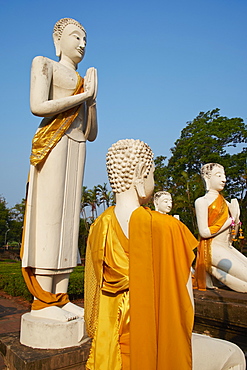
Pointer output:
160, 173
84, 201
16, 222
207, 138
105, 197
93, 200
4, 221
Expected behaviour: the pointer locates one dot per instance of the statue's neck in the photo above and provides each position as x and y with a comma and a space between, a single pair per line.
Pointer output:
126, 203
67, 62
212, 192
211, 195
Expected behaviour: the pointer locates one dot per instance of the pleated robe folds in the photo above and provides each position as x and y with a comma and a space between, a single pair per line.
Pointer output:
150, 314
217, 215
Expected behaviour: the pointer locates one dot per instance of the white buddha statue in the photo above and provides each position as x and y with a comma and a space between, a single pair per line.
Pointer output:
216, 218
67, 102
163, 203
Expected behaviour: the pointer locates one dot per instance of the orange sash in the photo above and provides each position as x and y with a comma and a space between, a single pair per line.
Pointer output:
44, 298
217, 216
47, 137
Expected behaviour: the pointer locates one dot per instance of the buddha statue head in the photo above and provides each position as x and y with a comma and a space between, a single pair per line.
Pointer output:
70, 39
130, 164
214, 177
163, 202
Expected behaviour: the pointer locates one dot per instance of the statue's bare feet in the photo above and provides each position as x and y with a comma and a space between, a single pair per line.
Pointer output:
54, 313
73, 308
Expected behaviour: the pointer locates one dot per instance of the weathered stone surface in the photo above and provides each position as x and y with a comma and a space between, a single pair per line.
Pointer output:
50, 334
20, 357
222, 314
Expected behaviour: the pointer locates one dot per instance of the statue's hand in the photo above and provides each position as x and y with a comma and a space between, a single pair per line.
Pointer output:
234, 209
90, 83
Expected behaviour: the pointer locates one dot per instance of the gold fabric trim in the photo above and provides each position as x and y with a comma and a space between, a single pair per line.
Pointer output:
47, 137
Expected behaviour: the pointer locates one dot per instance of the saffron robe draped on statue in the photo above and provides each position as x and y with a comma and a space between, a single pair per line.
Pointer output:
159, 316
217, 216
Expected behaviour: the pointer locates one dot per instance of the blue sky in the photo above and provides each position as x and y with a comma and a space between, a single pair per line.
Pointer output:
159, 64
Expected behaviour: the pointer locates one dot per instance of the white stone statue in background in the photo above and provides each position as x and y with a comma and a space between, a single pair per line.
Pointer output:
68, 104
163, 202
216, 218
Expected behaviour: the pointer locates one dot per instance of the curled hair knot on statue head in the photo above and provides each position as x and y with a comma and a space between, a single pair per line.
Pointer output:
62, 23
122, 160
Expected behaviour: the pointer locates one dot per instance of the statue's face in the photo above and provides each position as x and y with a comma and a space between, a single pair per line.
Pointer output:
73, 43
217, 180
164, 203
149, 184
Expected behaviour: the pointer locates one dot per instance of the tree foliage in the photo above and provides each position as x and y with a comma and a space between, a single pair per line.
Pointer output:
4, 220
210, 137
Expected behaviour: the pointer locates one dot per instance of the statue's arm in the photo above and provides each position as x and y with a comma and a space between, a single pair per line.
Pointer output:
92, 124
234, 210
190, 290
41, 80
201, 207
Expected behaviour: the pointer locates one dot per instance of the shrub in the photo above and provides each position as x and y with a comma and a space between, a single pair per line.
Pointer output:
12, 282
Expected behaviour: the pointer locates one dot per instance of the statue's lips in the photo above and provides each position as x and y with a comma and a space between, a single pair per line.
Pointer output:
81, 51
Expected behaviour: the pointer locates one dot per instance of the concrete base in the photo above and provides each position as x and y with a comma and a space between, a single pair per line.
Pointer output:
50, 334
19, 357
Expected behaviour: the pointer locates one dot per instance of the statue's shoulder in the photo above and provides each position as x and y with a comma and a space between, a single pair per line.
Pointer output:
104, 217
161, 219
201, 200
43, 63
42, 60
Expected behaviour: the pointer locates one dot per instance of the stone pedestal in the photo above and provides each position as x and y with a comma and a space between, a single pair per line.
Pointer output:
222, 314
50, 334
19, 357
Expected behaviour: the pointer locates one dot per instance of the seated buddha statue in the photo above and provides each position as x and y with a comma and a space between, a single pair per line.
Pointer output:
217, 221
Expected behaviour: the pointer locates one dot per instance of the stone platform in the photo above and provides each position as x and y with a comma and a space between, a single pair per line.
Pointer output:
19, 357
222, 314
219, 313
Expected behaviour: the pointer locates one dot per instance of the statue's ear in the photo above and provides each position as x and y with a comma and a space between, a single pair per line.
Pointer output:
57, 45
139, 180
206, 181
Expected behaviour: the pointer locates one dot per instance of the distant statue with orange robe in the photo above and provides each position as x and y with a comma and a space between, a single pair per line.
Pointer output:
138, 290
163, 202
218, 221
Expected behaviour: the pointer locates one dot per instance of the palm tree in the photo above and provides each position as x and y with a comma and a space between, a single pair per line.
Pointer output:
105, 196
93, 201
84, 201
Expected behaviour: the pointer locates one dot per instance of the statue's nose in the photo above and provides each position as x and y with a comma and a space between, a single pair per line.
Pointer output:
82, 44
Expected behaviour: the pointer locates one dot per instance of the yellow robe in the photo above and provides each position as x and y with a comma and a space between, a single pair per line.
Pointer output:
217, 216
136, 299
